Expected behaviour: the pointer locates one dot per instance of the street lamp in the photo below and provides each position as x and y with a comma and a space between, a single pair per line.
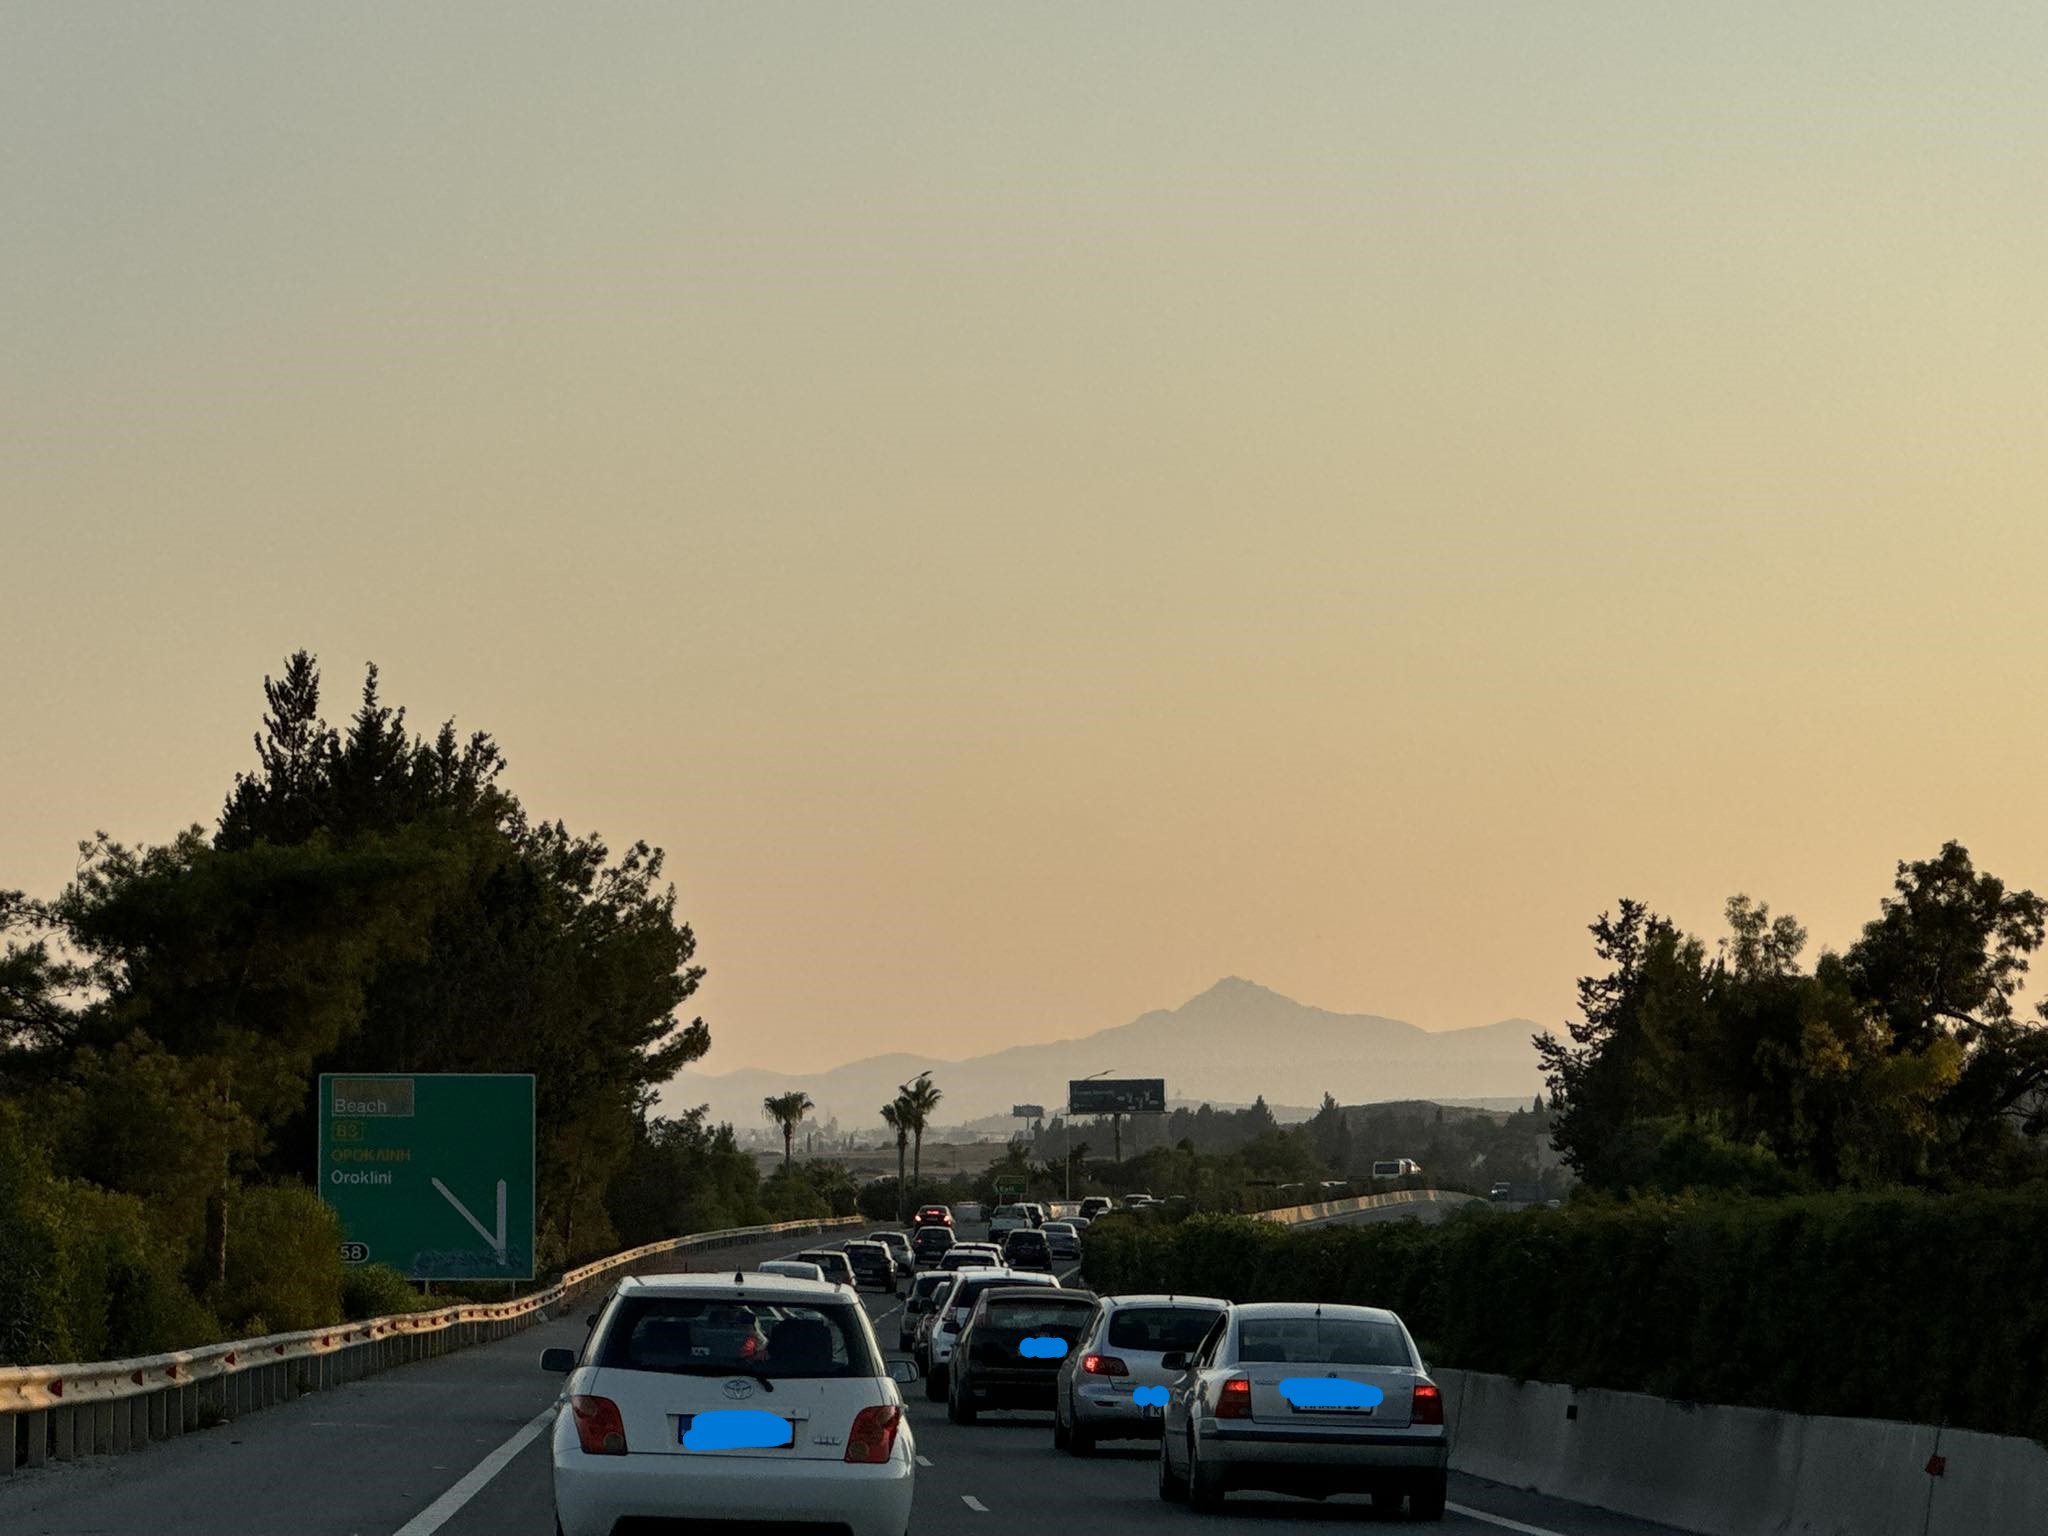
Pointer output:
1070, 1125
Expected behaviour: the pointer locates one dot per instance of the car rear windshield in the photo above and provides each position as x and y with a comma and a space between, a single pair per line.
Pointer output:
695, 1336
1321, 1341
1049, 1313
932, 1237
968, 1292
1025, 1239
1161, 1330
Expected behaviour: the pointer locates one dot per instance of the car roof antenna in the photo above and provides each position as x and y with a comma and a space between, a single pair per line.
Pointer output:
739, 1277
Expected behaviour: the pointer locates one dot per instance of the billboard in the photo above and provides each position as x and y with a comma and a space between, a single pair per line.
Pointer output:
1117, 1096
431, 1173
1028, 1111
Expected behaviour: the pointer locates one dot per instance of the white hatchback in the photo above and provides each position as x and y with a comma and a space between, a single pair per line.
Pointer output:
740, 1398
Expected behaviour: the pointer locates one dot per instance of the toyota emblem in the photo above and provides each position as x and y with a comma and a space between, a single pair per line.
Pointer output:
738, 1388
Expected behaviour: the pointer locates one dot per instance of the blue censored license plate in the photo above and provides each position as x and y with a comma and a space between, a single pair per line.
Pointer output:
727, 1430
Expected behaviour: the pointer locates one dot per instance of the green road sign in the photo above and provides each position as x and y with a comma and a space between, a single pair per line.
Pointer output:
1010, 1185
431, 1173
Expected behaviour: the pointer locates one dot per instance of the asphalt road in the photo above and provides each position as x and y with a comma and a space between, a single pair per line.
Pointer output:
436, 1449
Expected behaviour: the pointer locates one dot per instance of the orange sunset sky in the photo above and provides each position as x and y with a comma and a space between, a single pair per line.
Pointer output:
1037, 509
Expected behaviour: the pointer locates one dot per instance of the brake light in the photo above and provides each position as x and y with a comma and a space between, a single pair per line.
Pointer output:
599, 1429
1428, 1407
873, 1436
1104, 1365
1235, 1400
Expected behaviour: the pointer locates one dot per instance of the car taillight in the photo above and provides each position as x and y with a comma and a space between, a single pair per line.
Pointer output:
1235, 1400
873, 1436
1104, 1365
599, 1429
1428, 1406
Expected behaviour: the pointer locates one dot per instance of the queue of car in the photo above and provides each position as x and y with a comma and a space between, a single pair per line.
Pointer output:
706, 1395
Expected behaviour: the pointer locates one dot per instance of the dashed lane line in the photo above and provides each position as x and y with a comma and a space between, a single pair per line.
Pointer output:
1479, 1514
973, 1503
923, 1460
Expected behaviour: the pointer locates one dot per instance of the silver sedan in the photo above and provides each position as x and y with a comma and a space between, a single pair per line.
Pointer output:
1291, 1397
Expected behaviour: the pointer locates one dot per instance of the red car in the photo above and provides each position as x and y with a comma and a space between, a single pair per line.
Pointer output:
933, 1216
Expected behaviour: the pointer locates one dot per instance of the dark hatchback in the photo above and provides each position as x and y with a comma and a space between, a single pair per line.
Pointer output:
929, 1244
1027, 1248
1010, 1352
872, 1264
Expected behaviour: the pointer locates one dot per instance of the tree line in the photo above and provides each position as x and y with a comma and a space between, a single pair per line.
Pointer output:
1902, 1061
367, 899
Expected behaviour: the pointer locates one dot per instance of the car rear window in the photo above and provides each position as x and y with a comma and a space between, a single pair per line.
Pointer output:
1049, 1313
1161, 1330
968, 1292
1321, 1340
1025, 1239
695, 1336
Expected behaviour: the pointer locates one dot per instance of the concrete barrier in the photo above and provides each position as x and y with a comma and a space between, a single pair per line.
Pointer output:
1726, 1471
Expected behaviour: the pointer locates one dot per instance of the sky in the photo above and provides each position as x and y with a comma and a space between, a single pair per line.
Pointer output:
1039, 508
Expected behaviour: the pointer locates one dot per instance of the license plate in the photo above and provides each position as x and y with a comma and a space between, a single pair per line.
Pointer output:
685, 1420
1353, 1413
1150, 1411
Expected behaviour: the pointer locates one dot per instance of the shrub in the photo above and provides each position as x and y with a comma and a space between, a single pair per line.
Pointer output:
378, 1290
83, 1273
284, 1261
1893, 1305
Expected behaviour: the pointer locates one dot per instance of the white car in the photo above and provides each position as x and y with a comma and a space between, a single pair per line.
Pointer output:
1291, 1397
731, 1398
790, 1269
1006, 1220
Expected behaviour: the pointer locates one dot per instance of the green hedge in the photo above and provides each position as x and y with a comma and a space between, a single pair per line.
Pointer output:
1924, 1308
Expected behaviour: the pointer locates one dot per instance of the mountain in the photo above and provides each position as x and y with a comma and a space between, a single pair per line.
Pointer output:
1234, 1041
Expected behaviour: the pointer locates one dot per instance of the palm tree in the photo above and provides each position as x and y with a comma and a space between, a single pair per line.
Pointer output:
787, 1110
893, 1116
918, 1098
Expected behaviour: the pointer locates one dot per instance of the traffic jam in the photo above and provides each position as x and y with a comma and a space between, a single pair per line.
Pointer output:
767, 1395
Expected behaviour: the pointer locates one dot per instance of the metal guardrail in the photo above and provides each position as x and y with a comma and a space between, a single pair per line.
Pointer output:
92, 1408
1297, 1215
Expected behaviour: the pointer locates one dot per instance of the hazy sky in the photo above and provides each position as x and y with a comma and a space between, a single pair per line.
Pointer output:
1039, 508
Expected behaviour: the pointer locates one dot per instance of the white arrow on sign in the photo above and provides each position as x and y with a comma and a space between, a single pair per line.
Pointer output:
497, 1242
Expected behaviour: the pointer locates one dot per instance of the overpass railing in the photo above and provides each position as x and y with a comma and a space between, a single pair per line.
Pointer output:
109, 1406
1298, 1215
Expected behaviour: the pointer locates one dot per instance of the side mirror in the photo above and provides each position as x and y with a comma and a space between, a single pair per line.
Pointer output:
559, 1361
902, 1372
1174, 1360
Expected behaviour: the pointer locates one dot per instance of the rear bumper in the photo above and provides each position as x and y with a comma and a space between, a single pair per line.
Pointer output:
991, 1384
1281, 1458
593, 1493
1113, 1416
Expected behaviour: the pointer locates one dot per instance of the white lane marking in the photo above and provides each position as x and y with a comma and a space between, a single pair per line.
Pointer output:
471, 1483
1472, 1514
973, 1503
923, 1460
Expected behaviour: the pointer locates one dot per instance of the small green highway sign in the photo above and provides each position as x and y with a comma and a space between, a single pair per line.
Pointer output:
431, 1172
1010, 1185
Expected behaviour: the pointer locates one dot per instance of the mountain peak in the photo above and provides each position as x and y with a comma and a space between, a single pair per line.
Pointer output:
1233, 988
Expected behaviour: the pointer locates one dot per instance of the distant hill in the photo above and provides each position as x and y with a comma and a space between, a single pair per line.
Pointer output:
1233, 1042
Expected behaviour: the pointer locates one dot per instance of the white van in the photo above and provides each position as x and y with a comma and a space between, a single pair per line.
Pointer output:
1396, 1168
